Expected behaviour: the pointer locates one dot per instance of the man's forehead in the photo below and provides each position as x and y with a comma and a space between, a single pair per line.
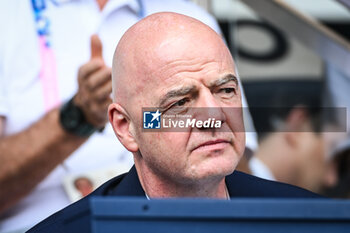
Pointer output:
187, 57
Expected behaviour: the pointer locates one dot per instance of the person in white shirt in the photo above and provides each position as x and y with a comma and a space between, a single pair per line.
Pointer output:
291, 142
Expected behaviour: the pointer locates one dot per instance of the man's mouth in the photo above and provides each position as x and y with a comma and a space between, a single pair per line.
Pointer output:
217, 144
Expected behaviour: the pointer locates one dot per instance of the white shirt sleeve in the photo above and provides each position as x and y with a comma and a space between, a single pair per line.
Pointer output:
3, 104
3, 28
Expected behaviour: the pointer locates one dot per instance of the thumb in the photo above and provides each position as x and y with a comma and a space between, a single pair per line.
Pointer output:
96, 47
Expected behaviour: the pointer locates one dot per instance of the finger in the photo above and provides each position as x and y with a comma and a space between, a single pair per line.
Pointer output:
89, 68
103, 91
96, 47
99, 78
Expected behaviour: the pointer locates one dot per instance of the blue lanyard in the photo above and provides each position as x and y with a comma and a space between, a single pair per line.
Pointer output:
42, 22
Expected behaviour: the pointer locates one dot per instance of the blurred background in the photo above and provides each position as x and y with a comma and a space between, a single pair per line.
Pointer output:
293, 57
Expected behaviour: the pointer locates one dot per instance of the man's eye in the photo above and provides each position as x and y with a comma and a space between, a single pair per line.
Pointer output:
227, 92
181, 102
178, 106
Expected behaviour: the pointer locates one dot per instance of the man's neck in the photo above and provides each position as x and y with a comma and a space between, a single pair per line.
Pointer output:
156, 187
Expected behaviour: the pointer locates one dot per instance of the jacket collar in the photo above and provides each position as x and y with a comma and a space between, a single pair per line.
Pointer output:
129, 186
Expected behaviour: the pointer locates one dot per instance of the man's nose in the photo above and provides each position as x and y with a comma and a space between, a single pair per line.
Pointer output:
209, 108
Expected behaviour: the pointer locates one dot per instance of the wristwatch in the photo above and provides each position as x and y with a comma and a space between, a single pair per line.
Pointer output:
72, 119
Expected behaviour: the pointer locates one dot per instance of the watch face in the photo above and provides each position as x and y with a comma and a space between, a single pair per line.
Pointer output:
73, 120
72, 117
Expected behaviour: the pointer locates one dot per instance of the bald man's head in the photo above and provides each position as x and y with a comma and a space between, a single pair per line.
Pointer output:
153, 42
174, 63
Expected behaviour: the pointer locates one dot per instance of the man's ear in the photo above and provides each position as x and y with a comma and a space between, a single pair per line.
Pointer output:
121, 124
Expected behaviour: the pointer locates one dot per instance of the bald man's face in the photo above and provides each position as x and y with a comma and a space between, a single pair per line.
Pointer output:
186, 73
178, 64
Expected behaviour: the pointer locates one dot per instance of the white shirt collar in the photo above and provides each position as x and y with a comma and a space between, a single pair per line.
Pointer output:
259, 169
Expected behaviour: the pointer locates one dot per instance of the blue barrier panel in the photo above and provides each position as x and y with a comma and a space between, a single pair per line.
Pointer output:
110, 214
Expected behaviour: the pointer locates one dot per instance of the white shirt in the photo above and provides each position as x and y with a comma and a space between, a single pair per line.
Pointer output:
21, 95
259, 169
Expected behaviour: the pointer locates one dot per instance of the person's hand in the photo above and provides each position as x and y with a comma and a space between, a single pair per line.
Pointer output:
95, 86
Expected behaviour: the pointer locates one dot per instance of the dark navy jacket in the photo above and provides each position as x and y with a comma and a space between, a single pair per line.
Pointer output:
238, 184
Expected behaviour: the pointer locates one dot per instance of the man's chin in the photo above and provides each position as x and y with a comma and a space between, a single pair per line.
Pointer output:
215, 169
